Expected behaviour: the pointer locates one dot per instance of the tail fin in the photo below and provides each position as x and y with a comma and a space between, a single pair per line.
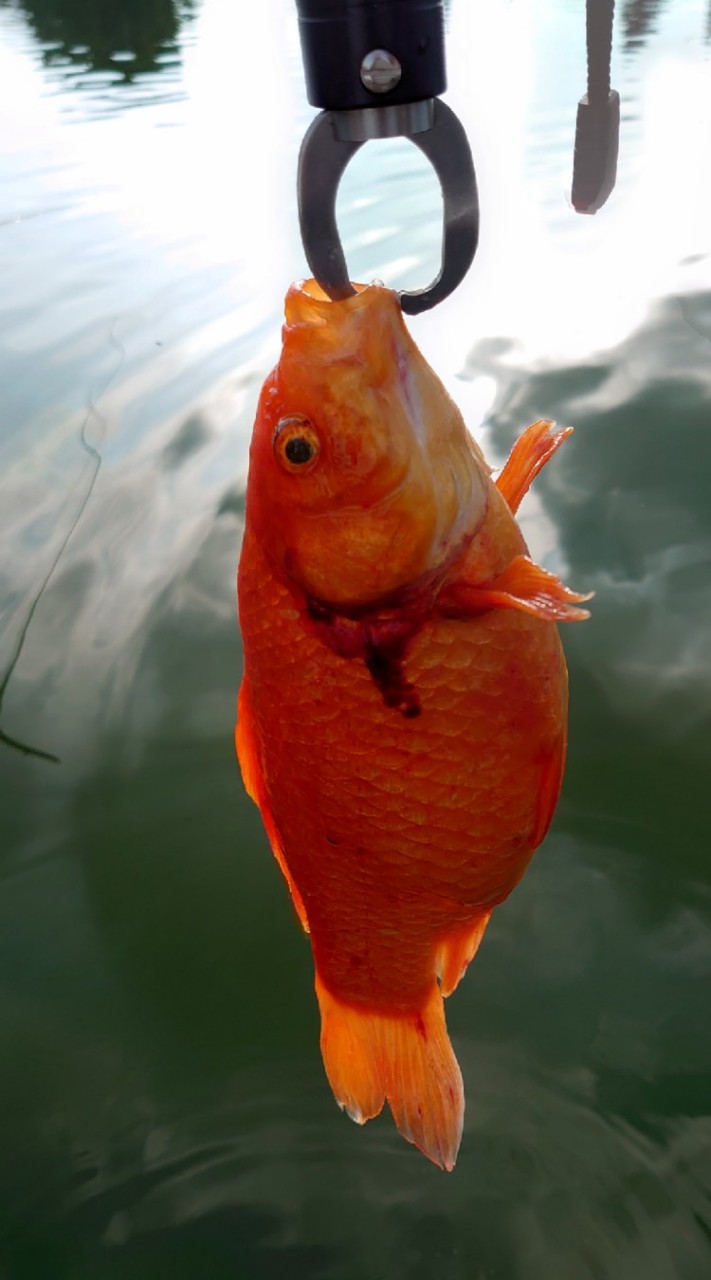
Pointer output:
404, 1058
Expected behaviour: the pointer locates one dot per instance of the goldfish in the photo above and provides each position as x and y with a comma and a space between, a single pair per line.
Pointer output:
402, 717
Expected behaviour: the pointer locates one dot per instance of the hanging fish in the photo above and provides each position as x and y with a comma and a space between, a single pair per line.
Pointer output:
402, 716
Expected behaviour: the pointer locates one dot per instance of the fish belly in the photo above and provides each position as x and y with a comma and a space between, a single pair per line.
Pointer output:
401, 833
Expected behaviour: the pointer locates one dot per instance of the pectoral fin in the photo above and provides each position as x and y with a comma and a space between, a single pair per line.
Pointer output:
522, 585
252, 777
530, 453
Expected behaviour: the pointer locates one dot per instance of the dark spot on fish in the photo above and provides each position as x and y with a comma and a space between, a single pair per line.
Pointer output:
386, 668
420, 1025
333, 840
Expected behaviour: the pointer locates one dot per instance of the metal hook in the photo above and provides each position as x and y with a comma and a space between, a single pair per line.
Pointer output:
330, 143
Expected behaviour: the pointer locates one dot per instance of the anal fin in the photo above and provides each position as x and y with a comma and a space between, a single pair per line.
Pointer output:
533, 449
404, 1058
456, 952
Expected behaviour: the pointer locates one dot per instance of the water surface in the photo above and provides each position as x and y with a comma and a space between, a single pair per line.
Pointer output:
163, 1110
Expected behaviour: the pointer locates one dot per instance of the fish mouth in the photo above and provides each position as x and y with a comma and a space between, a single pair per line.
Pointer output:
361, 328
307, 304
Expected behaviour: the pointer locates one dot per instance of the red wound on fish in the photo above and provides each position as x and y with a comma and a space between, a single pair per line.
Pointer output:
381, 642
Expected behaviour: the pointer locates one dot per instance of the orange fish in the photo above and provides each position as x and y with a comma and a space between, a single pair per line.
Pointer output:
402, 716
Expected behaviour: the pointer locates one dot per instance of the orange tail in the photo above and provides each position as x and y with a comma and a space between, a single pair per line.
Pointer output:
404, 1058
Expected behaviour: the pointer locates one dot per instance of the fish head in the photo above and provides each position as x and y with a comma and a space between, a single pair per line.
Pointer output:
363, 477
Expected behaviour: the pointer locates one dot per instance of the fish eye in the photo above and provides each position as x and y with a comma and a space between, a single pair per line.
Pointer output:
296, 443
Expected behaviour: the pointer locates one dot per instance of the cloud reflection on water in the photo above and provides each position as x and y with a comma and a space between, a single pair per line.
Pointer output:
628, 499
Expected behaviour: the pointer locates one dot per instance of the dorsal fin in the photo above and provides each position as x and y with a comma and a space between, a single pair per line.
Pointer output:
529, 455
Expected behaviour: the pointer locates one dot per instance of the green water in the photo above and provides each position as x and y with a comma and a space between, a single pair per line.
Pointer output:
163, 1110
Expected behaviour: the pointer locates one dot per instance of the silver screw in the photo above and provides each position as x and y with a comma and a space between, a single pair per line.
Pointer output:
380, 71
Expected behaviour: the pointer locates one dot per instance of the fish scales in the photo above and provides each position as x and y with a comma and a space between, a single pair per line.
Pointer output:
337, 748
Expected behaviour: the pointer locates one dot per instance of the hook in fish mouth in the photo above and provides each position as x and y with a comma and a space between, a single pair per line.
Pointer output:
332, 140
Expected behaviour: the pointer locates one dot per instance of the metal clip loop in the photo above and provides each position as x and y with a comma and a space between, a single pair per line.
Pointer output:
330, 143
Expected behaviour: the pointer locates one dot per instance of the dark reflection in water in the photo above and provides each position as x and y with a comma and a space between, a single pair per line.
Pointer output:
639, 18
125, 36
163, 1106
134, 36
223, 1245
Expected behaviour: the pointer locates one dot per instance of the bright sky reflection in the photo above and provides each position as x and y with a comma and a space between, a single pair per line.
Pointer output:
565, 284
150, 230
209, 174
